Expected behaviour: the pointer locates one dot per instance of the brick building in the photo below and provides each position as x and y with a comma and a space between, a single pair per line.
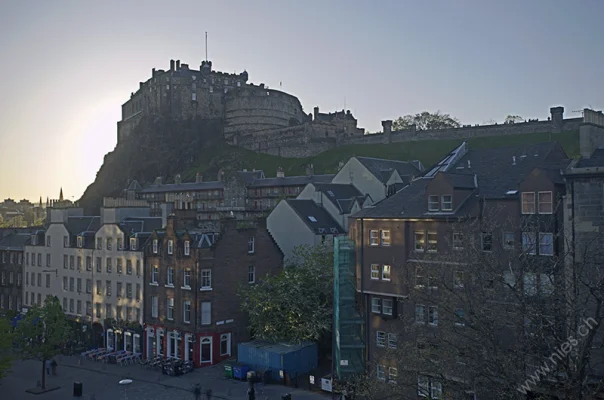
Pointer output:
11, 270
418, 254
192, 310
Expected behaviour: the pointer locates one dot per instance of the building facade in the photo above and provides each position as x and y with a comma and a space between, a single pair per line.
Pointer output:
11, 271
192, 310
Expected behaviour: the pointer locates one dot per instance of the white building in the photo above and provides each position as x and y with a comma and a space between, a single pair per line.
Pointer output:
93, 265
321, 210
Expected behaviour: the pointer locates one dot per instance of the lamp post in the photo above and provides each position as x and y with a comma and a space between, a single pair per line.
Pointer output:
125, 383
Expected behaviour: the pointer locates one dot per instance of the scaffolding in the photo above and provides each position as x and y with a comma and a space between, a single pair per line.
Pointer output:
349, 345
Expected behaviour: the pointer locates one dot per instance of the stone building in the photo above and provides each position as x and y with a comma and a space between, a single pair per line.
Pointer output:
417, 259
11, 270
94, 265
192, 311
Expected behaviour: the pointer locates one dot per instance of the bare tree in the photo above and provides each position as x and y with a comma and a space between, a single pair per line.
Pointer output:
510, 310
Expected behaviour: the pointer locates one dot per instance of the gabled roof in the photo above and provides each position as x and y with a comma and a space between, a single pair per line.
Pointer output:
595, 160
15, 241
132, 225
134, 185
250, 176
383, 169
77, 225
462, 181
343, 196
291, 181
315, 217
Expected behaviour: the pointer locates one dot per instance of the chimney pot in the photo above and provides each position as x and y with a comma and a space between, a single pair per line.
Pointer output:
387, 127
280, 172
171, 65
177, 65
316, 113
198, 178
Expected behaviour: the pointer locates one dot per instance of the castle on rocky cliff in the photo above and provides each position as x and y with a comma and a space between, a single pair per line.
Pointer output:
273, 122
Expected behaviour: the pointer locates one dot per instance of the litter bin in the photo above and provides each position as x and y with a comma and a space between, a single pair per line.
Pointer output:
228, 371
77, 389
240, 372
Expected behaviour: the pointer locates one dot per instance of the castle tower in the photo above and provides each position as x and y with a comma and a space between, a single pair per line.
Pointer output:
61, 195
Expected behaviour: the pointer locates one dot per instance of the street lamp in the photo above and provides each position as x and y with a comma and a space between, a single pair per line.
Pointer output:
125, 383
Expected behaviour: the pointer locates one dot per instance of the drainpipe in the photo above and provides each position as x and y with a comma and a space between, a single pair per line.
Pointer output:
365, 302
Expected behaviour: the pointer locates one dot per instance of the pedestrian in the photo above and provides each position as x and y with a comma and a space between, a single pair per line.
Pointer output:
47, 363
54, 364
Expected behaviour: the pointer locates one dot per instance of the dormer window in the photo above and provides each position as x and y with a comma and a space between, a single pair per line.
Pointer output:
154, 246
433, 203
170, 246
65, 241
80, 242
187, 247
528, 202
34, 240
446, 202
545, 202
132, 243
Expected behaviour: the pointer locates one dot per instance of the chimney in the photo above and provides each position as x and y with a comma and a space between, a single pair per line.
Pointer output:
310, 170
171, 65
170, 222
557, 114
513, 160
177, 179
198, 178
387, 127
340, 165
316, 113
158, 181
177, 65
280, 172
153, 72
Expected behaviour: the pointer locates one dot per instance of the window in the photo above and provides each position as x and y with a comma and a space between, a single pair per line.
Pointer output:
420, 281
380, 339
33, 259
206, 313
528, 243
432, 242
88, 308
40, 260
48, 260
546, 244
376, 305
457, 241
109, 243
187, 248
99, 265
374, 238
88, 285
132, 244
120, 244
381, 374
88, 263
138, 267
387, 306
129, 290
108, 288
154, 274
108, 311
375, 271
487, 241
48, 241
429, 387
206, 279
186, 280
392, 340
386, 272
129, 267
170, 309
446, 202
528, 202
99, 287
459, 317
170, 277
420, 313
138, 291
458, 279
26, 258
154, 246
80, 241
420, 240
225, 344
385, 238
508, 240
433, 203
545, 202
251, 274
99, 243
392, 374
186, 312
65, 282
20, 259
250, 245
432, 316
170, 246
154, 306
65, 241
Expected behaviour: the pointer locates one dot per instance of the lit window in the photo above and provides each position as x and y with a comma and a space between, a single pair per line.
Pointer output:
528, 202
154, 274
374, 239
385, 238
187, 247
432, 242
155, 246
386, 272
420, 240
375, 271
170, 246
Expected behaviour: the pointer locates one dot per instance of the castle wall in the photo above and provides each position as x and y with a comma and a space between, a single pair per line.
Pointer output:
254, 109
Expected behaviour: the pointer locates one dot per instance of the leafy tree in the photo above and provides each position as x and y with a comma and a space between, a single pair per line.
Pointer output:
426, 121
512, 119
42, 331
297, 304
6, 346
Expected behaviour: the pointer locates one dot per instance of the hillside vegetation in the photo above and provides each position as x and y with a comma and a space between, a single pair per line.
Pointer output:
162, 147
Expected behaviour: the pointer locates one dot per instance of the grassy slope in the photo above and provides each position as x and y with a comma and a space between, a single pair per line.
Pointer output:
428, 152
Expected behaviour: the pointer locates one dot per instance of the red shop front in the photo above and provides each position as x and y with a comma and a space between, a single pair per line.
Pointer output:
204, 348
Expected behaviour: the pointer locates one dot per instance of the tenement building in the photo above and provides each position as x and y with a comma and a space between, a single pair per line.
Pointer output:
94, 265
11, 271
192, 310
457, 273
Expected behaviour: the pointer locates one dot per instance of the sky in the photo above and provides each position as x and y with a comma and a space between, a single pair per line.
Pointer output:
68, 66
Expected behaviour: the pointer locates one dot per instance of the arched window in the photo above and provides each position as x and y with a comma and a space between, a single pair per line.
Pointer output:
225, 344
205, 350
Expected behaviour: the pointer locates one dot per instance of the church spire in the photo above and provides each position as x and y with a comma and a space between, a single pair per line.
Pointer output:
61, 195
40, 201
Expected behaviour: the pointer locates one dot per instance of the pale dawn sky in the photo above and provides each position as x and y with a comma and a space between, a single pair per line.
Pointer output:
68, 65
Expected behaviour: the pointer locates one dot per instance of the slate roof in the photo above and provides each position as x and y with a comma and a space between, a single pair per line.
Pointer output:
492, 169
250, 176
595, 160
343, 196
133, 225
183, 187
15, 241
77, 225
315, 217
383, 169
291, 181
